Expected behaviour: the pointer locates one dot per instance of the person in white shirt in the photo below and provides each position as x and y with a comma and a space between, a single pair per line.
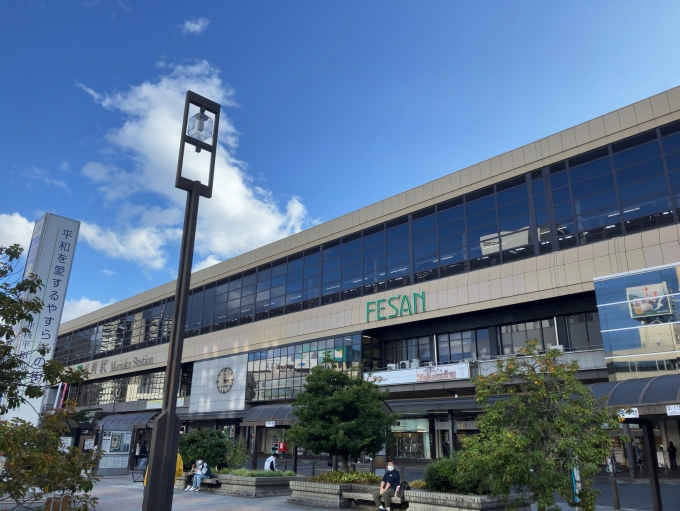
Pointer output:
270, 463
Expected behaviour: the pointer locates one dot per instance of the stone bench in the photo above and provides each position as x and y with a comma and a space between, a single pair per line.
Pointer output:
207, 484
367, 496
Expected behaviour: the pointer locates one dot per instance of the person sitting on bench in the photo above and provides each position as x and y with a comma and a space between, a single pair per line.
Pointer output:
388, 486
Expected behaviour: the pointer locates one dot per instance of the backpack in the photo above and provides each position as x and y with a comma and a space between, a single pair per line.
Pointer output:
401, 489
208, 473
271, 466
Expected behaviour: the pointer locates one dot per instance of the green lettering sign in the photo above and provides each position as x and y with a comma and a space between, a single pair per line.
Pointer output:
399, 305
380, 309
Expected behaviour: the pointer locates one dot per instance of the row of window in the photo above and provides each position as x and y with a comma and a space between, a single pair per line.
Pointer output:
622, 188
278, 373
126, 389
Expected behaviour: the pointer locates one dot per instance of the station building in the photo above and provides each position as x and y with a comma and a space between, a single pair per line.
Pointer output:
572, 240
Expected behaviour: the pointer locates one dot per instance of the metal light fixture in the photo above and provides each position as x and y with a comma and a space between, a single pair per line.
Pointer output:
199, 130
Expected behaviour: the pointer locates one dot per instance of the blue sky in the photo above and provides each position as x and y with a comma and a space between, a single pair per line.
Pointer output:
328, 106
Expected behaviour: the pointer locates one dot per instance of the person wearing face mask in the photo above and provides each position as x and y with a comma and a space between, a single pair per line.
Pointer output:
388, 486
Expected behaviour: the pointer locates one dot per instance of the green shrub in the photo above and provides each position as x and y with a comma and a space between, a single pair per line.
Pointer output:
237, 453
244, 472
440, 475
418, 484
206, 444
337, 477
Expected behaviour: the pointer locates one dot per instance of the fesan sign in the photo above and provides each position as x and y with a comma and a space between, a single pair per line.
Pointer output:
399, 305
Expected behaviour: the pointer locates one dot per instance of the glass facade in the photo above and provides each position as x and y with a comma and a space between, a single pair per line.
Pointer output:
126, 389
279, 373
639, 322
622, 188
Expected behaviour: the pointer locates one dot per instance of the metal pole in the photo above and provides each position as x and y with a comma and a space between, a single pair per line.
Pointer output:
615, 485
313, 468
165, 437
452, 439
254, 467
295, 459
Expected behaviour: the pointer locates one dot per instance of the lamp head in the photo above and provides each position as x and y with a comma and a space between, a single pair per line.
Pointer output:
200, 130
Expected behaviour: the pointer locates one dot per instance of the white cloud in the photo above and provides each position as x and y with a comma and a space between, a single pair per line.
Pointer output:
76, 308
140, 245
195, 26
15, 228
40, 175
238, 217
108, 273
64, 165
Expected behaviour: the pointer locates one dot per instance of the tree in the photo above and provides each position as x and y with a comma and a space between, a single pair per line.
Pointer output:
18, 304
38, 464
543, 423
340, 414
206, 444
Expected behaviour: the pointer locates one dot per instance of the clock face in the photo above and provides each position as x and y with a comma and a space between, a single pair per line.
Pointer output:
225, 380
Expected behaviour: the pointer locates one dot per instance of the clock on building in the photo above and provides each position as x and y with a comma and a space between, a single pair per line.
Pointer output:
225, 380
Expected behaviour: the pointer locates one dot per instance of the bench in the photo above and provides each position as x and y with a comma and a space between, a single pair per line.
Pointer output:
366, 496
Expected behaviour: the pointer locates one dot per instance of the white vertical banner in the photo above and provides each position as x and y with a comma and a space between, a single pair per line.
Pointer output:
50, 256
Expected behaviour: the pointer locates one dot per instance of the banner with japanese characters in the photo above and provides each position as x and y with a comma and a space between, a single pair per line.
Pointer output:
50, 256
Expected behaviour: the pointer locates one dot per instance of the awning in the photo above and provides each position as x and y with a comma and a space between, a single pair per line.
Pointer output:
649, 395
419, 406
125, 421
281, 415
209, 416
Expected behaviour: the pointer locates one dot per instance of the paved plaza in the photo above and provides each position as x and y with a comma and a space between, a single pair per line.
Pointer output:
121, 494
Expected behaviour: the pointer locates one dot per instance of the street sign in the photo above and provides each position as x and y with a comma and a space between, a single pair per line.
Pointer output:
630, 413
672, 409
270, 424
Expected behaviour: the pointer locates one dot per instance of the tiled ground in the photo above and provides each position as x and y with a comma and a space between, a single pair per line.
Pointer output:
121, 494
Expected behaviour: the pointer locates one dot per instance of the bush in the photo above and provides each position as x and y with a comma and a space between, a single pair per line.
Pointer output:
206, 444
237, 454
244, 472
418, 484
440, 475
336, 477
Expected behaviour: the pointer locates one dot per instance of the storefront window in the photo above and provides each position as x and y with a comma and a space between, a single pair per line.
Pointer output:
412, 438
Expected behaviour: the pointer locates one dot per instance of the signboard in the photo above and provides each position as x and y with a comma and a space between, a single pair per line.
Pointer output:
395, 306
270, 424
88, 445
116, 442
50, 256
648, 301
157, 404
66, 443
421, 374
631, 413
672, 410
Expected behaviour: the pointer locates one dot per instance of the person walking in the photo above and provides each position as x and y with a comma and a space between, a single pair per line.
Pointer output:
202, 472
388, 486
672, 453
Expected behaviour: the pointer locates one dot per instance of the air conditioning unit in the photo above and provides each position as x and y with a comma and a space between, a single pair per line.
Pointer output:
558, 347
404, 364
391, 367
415, 363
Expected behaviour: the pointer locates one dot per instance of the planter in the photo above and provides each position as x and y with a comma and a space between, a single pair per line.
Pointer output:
326, 495
420, 500
256, 486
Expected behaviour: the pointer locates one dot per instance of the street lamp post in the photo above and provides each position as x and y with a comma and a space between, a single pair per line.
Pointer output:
199, 130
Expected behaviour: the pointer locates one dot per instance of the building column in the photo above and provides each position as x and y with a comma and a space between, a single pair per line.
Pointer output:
433, 439
254, 448
650, 459
630, 455
452, 433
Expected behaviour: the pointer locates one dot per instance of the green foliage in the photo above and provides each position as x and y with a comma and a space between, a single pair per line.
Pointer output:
440, 475
548, 423
244, 472
337, 477
419, 484
18, 305
206, 444
237, 453
340, 414
38, 465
